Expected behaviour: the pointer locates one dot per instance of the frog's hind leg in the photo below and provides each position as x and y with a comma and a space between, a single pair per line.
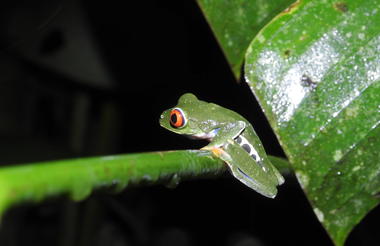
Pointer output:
257, 153
244, 168
234, 169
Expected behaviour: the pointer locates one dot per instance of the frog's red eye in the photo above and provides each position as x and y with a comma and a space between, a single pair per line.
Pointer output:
177, 118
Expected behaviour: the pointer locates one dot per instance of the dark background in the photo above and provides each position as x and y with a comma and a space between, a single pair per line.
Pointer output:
85, 78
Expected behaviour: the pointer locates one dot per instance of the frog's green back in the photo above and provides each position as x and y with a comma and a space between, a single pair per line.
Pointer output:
204, 111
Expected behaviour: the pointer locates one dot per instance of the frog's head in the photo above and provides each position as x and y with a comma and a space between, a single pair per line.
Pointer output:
183, 118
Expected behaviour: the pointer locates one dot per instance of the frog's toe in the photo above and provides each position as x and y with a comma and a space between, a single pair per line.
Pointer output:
215, 150
207, 148
218, 152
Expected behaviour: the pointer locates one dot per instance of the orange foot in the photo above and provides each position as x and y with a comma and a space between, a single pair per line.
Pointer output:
215, 150
218, 152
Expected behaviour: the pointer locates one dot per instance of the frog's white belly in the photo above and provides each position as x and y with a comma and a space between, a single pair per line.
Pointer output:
208, 136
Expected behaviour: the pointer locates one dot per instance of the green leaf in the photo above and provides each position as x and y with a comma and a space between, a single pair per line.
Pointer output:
315, 70
77, 178
236, 22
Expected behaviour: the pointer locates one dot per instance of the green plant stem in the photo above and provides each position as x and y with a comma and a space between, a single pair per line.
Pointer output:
77, 178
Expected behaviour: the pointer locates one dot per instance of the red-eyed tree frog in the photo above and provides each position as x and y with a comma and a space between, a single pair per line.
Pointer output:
232, 139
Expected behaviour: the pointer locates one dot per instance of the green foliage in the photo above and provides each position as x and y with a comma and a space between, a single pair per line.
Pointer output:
238, 23
315, 71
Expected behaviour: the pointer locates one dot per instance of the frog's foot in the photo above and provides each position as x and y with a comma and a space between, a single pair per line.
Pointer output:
218, 152
208, 148
211, 148
215, 150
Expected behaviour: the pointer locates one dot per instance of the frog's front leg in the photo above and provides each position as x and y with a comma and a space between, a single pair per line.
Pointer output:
226, 133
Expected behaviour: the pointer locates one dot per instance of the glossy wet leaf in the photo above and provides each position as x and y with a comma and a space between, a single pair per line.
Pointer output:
315, 70
78, 178
236, 22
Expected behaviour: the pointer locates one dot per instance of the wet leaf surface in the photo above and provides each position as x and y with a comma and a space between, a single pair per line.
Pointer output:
315, 70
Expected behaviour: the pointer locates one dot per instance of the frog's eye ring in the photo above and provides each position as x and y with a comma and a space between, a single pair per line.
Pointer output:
177, 118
